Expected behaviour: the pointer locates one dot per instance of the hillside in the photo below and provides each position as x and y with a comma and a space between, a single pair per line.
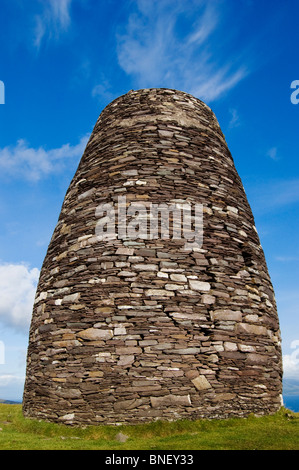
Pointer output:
276, 432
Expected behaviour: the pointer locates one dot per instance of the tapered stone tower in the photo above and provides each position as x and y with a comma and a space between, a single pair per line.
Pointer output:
133, 321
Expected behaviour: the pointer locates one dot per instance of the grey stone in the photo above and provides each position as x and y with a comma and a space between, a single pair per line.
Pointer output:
201, 383
252, 329
170, 400
121, 437
199, 286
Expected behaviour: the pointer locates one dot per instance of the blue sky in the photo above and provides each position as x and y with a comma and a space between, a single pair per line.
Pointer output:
63, 61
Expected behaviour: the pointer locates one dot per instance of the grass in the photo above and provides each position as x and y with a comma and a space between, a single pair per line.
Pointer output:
275, 432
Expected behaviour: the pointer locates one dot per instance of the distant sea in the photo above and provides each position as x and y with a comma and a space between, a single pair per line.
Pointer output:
291, 402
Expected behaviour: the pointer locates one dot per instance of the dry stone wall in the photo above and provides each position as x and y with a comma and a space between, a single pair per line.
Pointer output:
128, 330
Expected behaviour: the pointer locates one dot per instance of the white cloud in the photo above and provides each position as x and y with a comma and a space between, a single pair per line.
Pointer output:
286, 259
274, 195
291, 362
17, 291
235, 119
11, 387
156, 53
9, 379
54, 19
104, 91
32, 164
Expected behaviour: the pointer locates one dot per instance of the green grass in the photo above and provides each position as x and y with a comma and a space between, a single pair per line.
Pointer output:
276, 432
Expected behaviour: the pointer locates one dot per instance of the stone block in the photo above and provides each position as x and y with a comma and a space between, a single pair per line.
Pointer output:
229, 346
125, 251
199, 286
173, 286
208, 299
158, 293
126, 360
170, 401
178, 277
93, 334
185, 351
201, 383
145, 267
71, 298
259, 359
128, 350
249, 329
226, 315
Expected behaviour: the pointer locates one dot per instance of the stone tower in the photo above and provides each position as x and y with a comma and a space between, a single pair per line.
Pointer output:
133, 321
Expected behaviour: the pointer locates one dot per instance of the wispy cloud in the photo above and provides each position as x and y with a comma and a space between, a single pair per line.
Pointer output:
272, 153
274, 194
54, 19
104, 91
235, 119
23, 161
287, 259
17, 291
155, 51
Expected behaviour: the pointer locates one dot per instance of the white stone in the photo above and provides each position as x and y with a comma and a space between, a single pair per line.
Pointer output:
120, 331
228, 346
165, 133
42, 296
172, 287
54, 271
242, 233
94, 334
218, 347
68, 417
126, 274
86, 194
158, 292
199, 285
246, 348
232, 209
178, 277
162, 275
252, 318
71, 297
125, 251
84, 237
130, 173
208, 299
